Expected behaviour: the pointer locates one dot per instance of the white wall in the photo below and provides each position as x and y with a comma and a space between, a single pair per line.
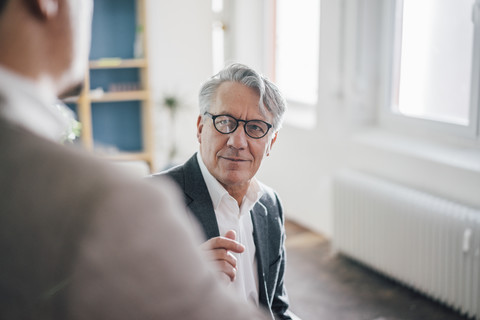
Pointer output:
180, 55
347, 133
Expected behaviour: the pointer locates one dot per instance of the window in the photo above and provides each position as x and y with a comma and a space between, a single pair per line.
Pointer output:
435, 64
297, 49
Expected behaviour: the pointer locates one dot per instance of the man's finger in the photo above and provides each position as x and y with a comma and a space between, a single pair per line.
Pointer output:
223, 243
221, 254
231, 234
225, 268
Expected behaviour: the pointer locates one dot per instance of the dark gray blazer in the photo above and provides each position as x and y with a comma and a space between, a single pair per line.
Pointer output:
268, 234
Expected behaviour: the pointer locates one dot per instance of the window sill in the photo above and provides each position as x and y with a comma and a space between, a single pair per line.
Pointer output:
449, 154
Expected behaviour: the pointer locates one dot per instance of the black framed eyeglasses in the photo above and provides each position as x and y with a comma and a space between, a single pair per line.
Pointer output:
226, 124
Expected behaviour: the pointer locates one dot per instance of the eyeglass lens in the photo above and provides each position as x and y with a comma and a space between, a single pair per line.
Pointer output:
253, 128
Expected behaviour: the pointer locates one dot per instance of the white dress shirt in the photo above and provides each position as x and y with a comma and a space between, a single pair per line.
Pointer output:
32, 106
231, 217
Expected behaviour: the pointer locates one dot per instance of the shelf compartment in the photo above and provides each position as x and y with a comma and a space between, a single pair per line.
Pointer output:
117, 127
115, 80
113, 25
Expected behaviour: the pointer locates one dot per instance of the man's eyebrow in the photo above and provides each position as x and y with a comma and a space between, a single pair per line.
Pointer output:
224, 113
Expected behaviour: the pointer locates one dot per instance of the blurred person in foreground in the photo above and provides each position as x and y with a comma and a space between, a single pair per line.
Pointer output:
240, 115
79, 240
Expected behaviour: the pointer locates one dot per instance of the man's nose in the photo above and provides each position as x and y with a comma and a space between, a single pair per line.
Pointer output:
238, 138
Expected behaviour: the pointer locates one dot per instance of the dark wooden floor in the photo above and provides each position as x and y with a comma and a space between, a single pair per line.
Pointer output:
326, 286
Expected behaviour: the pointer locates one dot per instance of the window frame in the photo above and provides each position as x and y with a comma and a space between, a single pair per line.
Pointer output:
391, 51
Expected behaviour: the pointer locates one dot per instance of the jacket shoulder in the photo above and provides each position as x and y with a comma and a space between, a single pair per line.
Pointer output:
270, 197
177, 174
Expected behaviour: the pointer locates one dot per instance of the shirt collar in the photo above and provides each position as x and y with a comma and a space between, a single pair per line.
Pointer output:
218, 192
33, 106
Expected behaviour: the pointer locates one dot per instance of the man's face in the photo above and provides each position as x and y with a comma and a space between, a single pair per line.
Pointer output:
233, 159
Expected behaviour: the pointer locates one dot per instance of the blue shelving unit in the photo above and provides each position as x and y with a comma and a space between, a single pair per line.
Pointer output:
115, 110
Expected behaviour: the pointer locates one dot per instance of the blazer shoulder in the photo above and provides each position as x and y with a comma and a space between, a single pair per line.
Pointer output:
186, 175
176, 174
272, 202
270, 197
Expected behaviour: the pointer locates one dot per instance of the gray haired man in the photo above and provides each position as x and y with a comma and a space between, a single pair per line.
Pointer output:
240, 115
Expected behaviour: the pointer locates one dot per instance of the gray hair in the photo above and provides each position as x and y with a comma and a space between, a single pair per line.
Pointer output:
271, 99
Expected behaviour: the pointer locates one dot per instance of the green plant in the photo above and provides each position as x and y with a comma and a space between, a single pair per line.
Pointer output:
73, 128
171, 102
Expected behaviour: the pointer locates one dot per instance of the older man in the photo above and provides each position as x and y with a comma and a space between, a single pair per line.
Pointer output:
240, 115
77, 239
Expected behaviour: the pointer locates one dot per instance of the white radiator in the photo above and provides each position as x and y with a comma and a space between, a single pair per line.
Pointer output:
426, 242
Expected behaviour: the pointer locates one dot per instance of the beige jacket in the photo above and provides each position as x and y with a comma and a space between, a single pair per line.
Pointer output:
79, 240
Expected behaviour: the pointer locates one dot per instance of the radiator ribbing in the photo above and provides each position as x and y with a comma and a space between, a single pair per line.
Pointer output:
426, 242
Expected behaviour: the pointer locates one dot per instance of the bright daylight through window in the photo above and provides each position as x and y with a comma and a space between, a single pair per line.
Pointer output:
434, 67
297, 49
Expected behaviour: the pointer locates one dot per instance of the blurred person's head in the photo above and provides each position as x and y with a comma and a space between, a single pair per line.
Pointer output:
231, 148
47, 41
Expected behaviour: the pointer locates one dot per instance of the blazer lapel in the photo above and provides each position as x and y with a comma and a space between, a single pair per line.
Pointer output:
200, 202
260, 237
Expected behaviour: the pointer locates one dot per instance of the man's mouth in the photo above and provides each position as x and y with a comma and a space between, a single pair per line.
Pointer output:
233, 159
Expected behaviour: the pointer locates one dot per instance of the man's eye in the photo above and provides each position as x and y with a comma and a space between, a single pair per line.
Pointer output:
225, 122
256, 128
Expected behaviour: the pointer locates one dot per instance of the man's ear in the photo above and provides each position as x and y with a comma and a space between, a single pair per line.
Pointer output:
44, 9
199, 128
270, 144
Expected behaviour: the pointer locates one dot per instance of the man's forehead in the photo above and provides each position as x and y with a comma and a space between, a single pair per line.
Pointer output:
239, 113
224, 104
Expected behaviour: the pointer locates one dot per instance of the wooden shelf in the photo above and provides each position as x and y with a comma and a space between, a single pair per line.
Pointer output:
117, 63
120, 96
140, 95
109, 66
